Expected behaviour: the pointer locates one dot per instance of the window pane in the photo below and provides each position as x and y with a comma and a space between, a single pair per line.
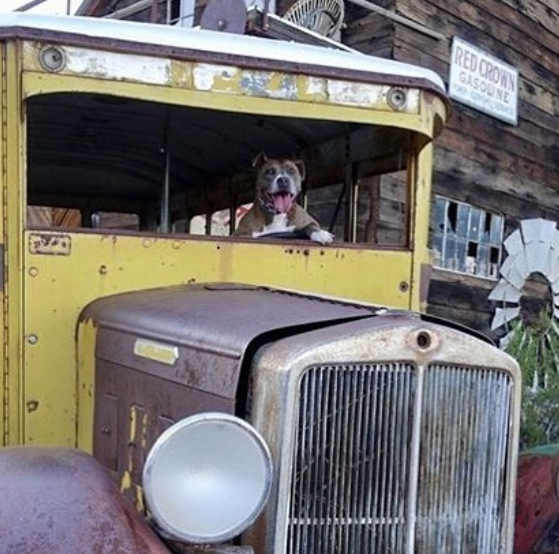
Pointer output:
483, 260
450, 253
440, 216
437, 247
494, 262
461, 250
463, 218
476, 224
496, 236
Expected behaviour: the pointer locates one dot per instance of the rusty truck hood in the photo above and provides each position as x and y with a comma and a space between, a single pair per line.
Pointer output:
210, 327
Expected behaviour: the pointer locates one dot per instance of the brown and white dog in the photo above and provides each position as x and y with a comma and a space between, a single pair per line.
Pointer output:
275, 209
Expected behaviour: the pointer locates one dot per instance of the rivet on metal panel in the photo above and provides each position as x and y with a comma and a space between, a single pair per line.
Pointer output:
33, 272
397, 98
32, 339
403, 286
52, 58
103, 269
32, 405
146, 243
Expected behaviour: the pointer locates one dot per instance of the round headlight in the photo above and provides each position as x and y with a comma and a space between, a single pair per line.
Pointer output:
207, 478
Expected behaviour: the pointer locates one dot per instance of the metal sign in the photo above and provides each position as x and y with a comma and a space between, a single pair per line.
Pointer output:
483, 82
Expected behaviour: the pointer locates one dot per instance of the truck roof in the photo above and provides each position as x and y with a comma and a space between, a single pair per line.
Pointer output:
110, 31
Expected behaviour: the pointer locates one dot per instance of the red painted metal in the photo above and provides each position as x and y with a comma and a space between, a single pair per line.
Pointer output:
61, 500
537, 502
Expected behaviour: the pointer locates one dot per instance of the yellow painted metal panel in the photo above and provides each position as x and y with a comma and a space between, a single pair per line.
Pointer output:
103, 65
13, 137
40, 83
5, 387
85, 390
60, 281
421, 173
58, 286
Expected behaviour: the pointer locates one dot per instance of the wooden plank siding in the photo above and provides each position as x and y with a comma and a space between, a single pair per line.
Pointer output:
480, 160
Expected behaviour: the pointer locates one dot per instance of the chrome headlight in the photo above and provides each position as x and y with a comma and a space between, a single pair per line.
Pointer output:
207, 478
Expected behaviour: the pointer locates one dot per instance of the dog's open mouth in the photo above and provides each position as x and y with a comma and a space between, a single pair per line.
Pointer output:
283, 202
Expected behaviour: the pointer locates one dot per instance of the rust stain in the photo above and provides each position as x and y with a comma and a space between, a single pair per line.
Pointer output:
61, 500
537, 505
51, 244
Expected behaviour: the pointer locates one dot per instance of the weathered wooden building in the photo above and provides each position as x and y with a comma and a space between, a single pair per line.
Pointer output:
486, 169
494, 167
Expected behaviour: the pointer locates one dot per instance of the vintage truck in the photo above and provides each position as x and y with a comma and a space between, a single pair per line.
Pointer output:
169, 387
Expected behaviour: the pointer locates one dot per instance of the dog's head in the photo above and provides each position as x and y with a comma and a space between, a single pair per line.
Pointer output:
278, 182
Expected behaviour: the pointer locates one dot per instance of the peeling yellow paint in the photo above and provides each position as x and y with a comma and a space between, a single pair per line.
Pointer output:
140, 505
163, 353
42, 281
144, 430
133, 426
219, 77
125, 481
227, 79
313, 89
181, 75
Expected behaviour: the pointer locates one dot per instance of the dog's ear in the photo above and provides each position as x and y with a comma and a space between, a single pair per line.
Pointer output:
300, 165
259, 160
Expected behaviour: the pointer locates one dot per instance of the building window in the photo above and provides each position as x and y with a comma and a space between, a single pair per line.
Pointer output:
466, 239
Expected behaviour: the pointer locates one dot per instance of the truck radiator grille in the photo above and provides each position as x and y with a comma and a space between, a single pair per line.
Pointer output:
389, 462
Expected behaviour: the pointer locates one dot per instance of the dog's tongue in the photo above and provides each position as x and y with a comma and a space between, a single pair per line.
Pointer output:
283, 202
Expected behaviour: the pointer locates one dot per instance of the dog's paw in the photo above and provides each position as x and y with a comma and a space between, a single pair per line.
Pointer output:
322, 236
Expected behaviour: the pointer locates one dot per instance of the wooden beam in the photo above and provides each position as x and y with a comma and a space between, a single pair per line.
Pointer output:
399, 19
88, 7
129, 10
29, 5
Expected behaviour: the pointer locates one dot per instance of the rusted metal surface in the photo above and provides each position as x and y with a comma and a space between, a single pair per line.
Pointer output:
61, 500
537, 503
165, 354
210, 325
50, 244
132, 408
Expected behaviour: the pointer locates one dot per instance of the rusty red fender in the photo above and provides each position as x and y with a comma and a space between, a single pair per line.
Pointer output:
537, 502
62, 500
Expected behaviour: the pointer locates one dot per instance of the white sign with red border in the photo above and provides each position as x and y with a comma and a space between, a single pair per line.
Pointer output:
483, 82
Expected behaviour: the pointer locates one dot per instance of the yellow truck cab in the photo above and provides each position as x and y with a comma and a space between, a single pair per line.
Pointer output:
169, 386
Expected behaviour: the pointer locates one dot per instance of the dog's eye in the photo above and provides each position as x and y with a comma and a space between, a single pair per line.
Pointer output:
290, 169
270, 171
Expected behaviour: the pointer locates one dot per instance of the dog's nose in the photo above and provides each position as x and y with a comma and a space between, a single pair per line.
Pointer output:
282, 181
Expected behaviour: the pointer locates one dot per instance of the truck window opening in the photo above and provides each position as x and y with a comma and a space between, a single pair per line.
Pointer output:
106, 162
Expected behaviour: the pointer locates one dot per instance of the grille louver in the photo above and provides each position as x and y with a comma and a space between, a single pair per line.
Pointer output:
389, 460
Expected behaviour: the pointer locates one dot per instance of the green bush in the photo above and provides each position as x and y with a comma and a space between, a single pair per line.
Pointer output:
536, 348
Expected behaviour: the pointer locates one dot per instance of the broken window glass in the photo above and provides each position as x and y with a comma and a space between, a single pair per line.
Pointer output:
466, 239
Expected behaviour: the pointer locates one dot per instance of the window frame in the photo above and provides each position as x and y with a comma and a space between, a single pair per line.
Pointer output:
466, 239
